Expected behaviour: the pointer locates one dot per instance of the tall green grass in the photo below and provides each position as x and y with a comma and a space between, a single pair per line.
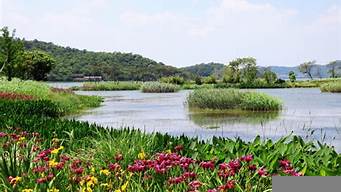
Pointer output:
157, 87
67, 102
334, 87
232, 99
111, 86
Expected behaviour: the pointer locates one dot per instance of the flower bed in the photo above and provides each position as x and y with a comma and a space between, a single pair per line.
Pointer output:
34, 167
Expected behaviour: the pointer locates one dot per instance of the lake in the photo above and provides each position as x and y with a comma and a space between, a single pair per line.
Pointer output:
307, 112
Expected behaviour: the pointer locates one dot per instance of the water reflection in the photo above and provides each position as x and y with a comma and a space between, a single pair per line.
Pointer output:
213, 120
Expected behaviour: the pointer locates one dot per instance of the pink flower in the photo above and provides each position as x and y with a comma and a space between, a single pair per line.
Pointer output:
284, 163
41, 180
207, 165
194, 185
262, 172
175, 180
2, 134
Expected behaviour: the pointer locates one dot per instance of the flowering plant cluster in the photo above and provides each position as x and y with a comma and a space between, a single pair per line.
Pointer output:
41, 168
15, 96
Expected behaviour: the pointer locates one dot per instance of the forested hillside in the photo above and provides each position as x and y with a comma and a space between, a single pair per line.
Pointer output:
111, 66
206, 69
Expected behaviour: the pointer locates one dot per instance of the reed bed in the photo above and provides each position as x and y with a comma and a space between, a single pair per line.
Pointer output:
111, 86
157, 87
232, 99
333, 87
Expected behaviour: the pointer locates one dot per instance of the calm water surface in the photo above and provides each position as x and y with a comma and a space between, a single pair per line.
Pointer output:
307, 112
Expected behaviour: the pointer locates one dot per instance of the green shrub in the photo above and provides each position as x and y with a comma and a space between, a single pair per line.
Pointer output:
210, 80
334, 87
232, 99
111, 86
156, 87
173, 80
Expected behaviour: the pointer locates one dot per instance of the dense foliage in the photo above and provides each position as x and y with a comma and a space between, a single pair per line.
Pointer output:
232, 99
111, 66
16, 62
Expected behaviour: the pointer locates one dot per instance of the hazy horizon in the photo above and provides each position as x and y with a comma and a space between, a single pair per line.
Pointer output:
184, 33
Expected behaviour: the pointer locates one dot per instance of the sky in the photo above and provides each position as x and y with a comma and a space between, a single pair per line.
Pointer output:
186, 32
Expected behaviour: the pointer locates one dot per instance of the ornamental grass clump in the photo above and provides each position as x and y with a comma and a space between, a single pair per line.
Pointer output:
232, 99
333, 87
157, 87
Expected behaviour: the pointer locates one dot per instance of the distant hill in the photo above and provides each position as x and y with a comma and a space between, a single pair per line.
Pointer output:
318, 71
217, 69
205, 69
111, 66
71, 62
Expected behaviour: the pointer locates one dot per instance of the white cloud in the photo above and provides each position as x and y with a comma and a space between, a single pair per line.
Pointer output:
228, 29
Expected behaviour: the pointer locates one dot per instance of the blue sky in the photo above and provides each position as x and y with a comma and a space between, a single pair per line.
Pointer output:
186, 32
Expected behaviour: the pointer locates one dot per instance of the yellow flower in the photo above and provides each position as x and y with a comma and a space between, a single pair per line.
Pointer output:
168, 151
22, 138
106, 185
53, 163
27, 190
53, 190
141, 155
104, 172
55, 151
91, 181
15, 180
124, 187
92, 170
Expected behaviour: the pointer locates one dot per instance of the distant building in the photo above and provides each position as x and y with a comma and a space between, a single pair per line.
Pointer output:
82, 77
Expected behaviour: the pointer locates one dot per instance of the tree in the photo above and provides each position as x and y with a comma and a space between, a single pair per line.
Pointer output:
306, 68
249, 71
36, 65
241, 69
11, 50
292, 76
333, 69
270, 77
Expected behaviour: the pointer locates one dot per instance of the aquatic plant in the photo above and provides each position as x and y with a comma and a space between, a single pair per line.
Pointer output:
232, 99
156, 87
111, 86
333, 87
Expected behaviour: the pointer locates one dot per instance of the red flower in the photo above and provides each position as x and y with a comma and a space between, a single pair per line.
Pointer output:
179, 148
252, 167
187, 175
114, 166
207, 165
247, 158
118, 157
